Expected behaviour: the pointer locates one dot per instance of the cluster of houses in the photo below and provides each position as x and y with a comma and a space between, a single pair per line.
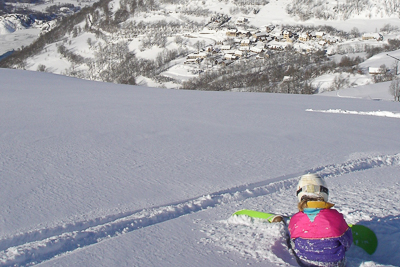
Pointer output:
372, 36
260, 44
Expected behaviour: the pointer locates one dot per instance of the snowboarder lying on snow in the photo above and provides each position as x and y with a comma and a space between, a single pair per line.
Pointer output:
319, 235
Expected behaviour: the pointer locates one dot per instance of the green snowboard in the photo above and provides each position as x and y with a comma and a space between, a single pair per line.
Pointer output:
363, 237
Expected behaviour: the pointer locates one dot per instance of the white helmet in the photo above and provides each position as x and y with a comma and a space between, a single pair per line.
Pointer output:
312, 185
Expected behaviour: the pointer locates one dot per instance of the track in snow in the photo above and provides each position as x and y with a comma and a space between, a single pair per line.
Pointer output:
33, 247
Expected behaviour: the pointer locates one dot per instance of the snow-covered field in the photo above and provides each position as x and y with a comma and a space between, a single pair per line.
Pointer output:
376, 91
97, 174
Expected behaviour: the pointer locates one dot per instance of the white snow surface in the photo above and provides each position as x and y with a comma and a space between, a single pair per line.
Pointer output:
370, 113
97, 174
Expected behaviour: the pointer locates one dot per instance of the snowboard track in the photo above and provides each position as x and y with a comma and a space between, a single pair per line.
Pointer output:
33, 247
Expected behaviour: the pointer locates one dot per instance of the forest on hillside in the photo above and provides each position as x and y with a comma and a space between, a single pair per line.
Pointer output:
332, 10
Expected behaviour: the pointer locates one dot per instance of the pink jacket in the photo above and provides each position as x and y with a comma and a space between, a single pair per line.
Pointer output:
328, 224
320, 237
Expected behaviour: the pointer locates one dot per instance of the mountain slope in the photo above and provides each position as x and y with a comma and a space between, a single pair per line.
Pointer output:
97, 174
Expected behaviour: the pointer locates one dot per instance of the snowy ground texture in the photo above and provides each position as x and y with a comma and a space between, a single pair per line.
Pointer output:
97, 174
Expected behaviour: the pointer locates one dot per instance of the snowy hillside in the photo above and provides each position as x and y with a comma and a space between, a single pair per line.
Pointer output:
341, 9
168, 43
23, 23
98, 174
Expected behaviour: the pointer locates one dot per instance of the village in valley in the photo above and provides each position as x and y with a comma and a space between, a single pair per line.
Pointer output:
184, 46
244, 42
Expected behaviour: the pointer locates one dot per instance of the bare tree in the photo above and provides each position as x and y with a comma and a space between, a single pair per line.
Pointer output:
339, 82
199, 44
394, 89
355, 32
89, 42
41, 68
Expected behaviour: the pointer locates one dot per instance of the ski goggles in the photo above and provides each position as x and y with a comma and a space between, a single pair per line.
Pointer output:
315, 189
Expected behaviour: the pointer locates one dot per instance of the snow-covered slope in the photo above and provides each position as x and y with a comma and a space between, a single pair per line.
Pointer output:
377, 91
97, 174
